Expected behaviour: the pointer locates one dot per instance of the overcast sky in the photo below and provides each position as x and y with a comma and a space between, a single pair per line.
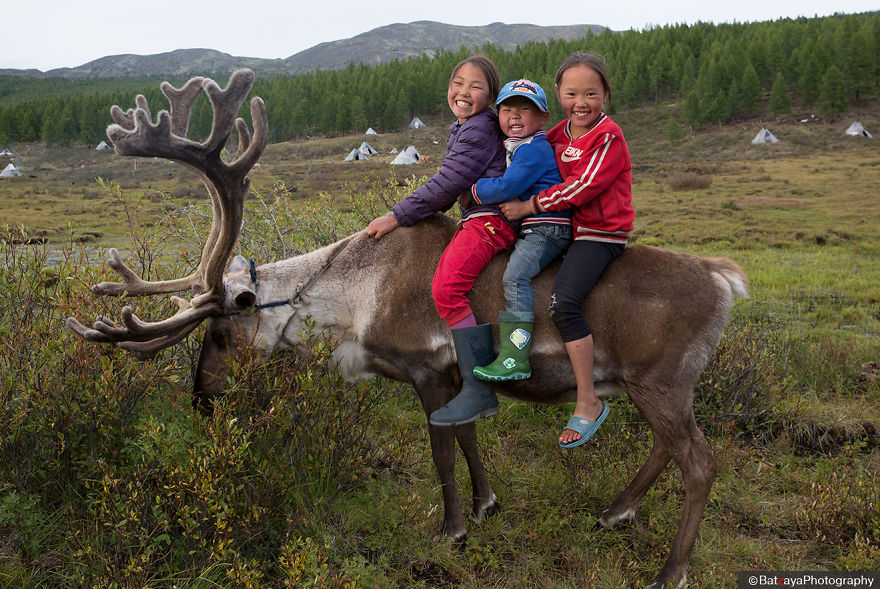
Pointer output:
47, 34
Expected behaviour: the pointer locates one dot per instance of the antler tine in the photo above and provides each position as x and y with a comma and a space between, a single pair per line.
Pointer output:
140, 102
148, 349
181, 101
249, 151
133, 284
123, 118
226, 103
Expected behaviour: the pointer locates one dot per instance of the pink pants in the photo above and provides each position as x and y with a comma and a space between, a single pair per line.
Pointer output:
472, 247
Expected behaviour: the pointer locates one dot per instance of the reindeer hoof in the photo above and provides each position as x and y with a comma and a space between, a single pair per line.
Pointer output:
608, 520
662, 582
483, 509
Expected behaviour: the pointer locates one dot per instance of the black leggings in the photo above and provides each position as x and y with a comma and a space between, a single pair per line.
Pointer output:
581, 268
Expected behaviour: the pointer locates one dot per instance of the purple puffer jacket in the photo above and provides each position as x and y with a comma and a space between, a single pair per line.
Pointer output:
475, 150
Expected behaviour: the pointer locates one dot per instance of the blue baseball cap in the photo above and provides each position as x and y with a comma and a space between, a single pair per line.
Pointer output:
525, 88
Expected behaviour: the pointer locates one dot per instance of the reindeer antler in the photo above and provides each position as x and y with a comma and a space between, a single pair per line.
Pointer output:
227, 183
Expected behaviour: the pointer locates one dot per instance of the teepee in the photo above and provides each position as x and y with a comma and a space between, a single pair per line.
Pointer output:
858, 130
417, 123
371, 131
9, 171
356, 154
765, 136
102, 146
404, 158
367, 149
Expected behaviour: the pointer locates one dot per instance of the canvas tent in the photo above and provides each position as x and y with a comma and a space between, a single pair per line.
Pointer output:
9, 171
356, 154
407, 156
764, 136
858, 130
5, 151
417, 123
367, 149
393, 150
404, 158
102, 146
371, 131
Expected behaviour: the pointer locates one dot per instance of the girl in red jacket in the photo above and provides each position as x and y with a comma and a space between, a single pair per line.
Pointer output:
597, 186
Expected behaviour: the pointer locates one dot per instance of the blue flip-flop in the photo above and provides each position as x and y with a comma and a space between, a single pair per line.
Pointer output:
585, 427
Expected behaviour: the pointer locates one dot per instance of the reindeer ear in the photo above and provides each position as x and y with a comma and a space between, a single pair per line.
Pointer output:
238, 263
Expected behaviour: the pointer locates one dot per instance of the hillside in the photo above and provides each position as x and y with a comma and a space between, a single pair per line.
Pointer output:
381, 45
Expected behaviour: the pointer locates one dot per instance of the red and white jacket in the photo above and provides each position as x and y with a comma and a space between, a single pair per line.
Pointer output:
596, 185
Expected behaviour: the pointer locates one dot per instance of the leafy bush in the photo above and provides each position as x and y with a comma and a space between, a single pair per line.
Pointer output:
151, 492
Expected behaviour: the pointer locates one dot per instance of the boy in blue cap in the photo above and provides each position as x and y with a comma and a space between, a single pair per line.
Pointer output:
522, 112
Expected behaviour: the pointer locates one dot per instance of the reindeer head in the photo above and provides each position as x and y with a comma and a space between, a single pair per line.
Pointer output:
135, 134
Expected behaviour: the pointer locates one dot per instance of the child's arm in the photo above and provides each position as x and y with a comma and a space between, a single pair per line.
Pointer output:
594, 173
524, 171
465, 162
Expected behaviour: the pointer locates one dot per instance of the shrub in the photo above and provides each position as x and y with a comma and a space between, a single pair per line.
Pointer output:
689, 181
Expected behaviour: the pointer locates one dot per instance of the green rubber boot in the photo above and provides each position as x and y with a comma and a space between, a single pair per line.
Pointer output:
512, 363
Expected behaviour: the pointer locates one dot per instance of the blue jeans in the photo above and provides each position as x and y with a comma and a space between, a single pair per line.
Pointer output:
535, 248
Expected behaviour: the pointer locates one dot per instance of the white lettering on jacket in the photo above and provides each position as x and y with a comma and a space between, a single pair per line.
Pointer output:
571, 154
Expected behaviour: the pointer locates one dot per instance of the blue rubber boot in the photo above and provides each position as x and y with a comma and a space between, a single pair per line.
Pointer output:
473, 346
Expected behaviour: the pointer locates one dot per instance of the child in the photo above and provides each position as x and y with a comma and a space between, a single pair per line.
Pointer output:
475, 149
594, 162
522, 112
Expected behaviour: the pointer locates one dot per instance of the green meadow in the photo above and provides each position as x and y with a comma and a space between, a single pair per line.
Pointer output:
109, 479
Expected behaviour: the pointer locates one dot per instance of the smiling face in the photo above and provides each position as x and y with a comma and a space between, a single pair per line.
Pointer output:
581, 95
520, 117
468, 92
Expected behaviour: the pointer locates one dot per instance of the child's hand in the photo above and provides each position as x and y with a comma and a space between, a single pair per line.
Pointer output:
515, 210
382, 226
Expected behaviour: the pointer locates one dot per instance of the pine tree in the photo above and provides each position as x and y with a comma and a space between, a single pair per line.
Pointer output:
750, 87
832, 94
808, 78
780, 100
673, 131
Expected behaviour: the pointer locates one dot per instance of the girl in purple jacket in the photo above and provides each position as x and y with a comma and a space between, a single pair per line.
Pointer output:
475, 150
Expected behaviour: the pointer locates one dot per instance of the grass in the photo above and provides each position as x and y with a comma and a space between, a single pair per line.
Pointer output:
298, 479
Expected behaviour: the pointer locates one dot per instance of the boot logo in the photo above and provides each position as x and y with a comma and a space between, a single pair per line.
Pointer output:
520, 337
509, 363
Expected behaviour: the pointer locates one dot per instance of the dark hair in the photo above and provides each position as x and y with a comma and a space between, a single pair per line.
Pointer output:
591, 60
489, 71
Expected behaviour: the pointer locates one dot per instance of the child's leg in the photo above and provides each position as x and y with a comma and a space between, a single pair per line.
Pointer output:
467, 254
583, 265
471, 248
534, 250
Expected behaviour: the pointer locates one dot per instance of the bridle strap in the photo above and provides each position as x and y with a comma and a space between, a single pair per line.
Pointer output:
300, 288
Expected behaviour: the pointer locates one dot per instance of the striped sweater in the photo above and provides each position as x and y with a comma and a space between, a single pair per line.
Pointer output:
596, 185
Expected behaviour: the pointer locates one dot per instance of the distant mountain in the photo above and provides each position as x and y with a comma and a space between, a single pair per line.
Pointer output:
401, 41
396, 41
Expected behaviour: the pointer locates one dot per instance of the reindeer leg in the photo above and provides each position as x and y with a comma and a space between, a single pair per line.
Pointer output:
676, 436
434, 395
623, 508
485, 501
698, 467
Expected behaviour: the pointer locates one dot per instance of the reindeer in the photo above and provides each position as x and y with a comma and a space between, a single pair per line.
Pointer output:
657, 316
